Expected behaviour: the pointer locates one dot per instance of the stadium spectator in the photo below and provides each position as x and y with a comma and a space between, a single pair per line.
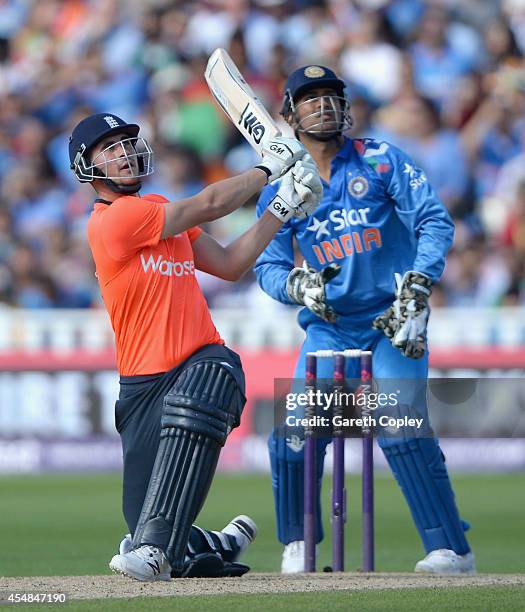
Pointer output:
61, 61
438, 63
370, 61
431, 146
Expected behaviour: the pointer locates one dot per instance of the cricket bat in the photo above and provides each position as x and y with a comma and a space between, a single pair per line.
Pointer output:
238, 100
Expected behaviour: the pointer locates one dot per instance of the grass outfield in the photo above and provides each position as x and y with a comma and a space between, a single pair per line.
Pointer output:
71, 525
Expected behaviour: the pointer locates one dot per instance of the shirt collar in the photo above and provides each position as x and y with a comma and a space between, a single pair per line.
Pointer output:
343, 151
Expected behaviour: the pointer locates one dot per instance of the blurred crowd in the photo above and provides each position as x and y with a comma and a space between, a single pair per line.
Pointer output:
442, 79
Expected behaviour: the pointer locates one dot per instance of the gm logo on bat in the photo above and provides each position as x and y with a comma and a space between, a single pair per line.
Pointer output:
251, 124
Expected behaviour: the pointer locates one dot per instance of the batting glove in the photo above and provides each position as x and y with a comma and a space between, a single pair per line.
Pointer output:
287, 203
307, 185
279, 155
405, 322
306, 286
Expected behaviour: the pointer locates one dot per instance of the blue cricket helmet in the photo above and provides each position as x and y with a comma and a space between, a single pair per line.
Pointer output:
306, 78
89, 132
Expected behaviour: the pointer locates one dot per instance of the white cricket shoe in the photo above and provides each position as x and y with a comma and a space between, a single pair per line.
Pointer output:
147, 563
293, 558
244, 530
444, 561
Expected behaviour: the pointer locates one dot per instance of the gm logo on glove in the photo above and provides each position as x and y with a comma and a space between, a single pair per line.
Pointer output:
279, 150
280, 209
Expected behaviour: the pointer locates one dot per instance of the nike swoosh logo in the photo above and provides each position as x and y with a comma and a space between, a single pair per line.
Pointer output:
155, 567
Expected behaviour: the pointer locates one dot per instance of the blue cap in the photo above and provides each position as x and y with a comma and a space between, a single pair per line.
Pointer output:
310, 77
91, 130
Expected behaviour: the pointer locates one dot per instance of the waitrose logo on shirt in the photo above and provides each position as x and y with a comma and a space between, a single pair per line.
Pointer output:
166, 267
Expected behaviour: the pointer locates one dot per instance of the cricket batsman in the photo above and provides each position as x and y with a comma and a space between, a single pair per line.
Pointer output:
181, 388
379, 220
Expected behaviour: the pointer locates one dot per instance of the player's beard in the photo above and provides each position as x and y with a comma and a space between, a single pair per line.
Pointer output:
319, 134
323, 136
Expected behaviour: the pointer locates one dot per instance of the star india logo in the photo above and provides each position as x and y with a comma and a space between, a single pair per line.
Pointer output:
314, 72
358, 187
111, 121
319, 227
410, 170
415, 175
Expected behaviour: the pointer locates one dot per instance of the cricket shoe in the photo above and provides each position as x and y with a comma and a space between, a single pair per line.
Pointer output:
204, 565
293, 558
126, 545
210, 565
146, 563
445, 561
244, 530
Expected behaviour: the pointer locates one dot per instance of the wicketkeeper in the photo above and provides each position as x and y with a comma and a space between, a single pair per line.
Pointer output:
372, 251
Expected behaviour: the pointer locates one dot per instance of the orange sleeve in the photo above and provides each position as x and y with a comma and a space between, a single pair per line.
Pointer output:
130, 224
194, 233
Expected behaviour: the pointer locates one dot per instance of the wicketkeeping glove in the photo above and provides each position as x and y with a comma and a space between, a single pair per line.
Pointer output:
306, 286
279, 155
405, 322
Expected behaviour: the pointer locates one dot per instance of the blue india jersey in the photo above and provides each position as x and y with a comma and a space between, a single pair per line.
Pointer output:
378, 216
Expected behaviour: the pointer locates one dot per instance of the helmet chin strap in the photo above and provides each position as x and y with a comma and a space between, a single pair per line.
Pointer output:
320, 137
125, 189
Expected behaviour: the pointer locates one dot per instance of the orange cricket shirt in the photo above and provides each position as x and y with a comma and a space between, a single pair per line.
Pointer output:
157, 309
